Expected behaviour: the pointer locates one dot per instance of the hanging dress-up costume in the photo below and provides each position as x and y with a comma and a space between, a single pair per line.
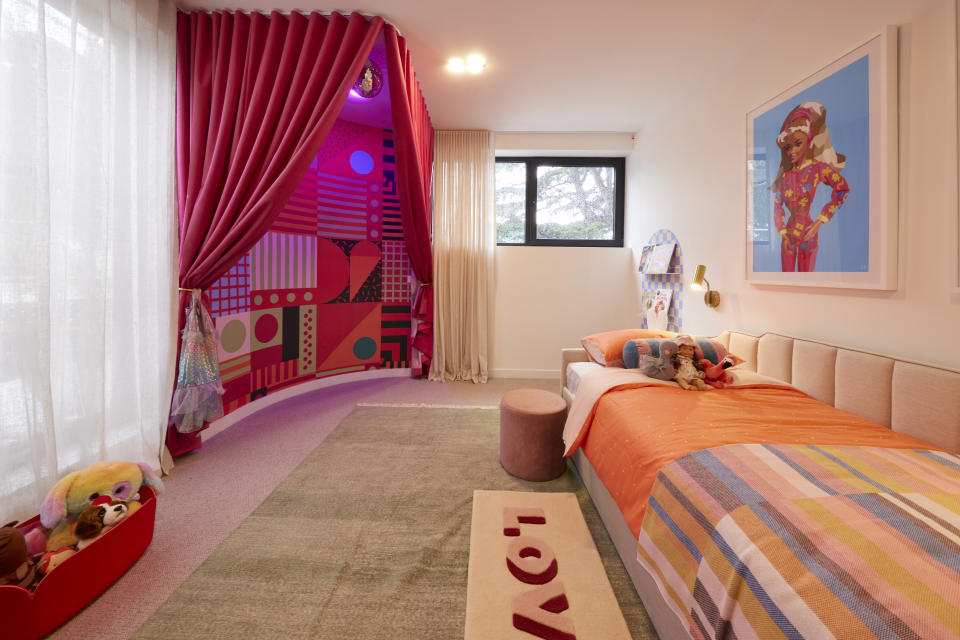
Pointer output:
797, 186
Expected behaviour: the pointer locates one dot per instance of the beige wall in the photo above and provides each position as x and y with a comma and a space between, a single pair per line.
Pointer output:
549, 297
688, 174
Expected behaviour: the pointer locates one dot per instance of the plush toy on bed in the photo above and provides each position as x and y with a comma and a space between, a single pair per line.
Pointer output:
99, 482
716, 375
660, 367
689, 372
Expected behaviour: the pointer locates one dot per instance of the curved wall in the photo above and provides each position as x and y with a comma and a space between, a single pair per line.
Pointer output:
326, 291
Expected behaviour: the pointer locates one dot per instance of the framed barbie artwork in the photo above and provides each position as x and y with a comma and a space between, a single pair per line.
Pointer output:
822, 176
956, 231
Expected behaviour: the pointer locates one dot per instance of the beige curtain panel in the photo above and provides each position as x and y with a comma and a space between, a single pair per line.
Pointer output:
464, 241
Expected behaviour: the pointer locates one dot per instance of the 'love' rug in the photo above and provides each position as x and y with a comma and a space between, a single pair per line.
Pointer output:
534, 571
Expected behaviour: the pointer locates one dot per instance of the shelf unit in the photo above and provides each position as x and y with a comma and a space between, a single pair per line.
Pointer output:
672, 279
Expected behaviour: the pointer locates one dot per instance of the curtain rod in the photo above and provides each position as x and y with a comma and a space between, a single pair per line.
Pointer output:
324, 12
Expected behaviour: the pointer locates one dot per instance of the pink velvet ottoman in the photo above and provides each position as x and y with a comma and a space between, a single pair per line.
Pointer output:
531, 434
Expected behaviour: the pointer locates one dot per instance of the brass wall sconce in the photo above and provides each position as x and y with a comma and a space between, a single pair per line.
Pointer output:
710, 298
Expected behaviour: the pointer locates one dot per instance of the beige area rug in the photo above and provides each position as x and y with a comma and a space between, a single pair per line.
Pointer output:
534, 570
367, 538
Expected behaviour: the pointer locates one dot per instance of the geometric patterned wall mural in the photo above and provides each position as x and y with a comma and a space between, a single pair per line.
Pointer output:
327, 290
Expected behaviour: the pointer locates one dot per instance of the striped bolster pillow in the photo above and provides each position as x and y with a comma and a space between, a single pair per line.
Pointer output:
634, 350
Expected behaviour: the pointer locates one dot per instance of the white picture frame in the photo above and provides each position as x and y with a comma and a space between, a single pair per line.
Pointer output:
857, 247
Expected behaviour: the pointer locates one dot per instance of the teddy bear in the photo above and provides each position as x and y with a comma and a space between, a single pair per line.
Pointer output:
76, 491
16, 567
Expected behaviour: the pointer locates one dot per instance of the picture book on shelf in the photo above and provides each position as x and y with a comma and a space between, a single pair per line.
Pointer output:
660, 258
658, 309
645, 257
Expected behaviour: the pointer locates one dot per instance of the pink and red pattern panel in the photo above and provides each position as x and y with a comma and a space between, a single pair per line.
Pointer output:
326, 290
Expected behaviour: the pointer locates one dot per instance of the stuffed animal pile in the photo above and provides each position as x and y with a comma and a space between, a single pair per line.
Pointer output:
80, 507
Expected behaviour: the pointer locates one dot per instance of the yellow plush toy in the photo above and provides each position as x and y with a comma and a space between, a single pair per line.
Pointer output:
78, 490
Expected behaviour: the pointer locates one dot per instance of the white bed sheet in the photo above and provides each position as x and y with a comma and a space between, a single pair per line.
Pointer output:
576, 371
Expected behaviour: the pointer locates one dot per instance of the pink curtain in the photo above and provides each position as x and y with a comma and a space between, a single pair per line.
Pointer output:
413, 139
256, 96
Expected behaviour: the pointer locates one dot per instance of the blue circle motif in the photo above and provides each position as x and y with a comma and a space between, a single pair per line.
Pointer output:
361, 162
365, 348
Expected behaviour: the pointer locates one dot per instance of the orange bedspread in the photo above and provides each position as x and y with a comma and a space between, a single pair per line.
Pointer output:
634, 432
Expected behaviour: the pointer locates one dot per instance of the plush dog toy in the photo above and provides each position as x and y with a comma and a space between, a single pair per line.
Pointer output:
16, 567
78, 490
97, 519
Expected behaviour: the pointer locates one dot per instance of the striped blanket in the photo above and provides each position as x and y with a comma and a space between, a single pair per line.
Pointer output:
807, 541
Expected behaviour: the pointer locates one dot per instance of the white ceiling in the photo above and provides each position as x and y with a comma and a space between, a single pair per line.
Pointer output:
560, 65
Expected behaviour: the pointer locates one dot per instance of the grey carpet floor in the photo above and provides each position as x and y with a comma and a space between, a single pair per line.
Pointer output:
367, 538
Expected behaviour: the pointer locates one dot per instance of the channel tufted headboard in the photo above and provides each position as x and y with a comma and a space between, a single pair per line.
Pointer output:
918, 399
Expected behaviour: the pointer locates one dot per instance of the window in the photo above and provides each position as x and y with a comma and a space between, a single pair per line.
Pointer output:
567, 202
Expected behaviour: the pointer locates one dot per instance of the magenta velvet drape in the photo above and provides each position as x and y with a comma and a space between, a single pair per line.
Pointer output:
256, 97
413, 140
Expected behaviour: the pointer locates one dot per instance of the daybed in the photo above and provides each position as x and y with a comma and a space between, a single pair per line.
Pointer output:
817, 498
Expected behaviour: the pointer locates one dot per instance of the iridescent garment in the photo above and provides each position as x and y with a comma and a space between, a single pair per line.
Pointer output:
197, 398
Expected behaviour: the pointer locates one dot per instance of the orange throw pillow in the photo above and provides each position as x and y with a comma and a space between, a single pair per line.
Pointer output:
606, 348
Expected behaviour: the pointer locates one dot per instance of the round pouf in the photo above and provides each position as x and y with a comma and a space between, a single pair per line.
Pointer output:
531, 434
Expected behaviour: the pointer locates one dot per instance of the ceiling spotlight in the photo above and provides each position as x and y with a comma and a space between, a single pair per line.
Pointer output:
455, 65
475, 64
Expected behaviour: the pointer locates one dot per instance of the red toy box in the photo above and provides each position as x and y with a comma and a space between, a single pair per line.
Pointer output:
79, 579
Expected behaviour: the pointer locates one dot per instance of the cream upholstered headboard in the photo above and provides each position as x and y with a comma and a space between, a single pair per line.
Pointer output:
918, 399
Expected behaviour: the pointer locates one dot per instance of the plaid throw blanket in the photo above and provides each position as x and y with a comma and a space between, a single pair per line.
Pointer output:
807, 541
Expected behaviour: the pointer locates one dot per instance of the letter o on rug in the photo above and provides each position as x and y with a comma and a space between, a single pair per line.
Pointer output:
531, 560
531, 434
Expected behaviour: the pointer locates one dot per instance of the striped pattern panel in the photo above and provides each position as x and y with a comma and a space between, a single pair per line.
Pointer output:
299, 214
234, 368
807, 541
341, 207
392, 224
284, 261
395, 336
275, 375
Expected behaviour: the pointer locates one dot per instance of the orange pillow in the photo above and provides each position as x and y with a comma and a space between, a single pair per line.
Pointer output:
606, 348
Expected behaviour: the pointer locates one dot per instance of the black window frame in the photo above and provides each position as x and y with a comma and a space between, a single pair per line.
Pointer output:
530, 205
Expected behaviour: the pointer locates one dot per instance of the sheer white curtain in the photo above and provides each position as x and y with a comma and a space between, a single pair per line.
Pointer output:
87, 238
464, 242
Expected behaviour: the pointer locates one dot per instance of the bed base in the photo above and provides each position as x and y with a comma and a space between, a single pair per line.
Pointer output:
664, 620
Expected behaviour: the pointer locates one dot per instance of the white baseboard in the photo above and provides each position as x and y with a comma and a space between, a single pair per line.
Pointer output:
305, 387
525, 373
